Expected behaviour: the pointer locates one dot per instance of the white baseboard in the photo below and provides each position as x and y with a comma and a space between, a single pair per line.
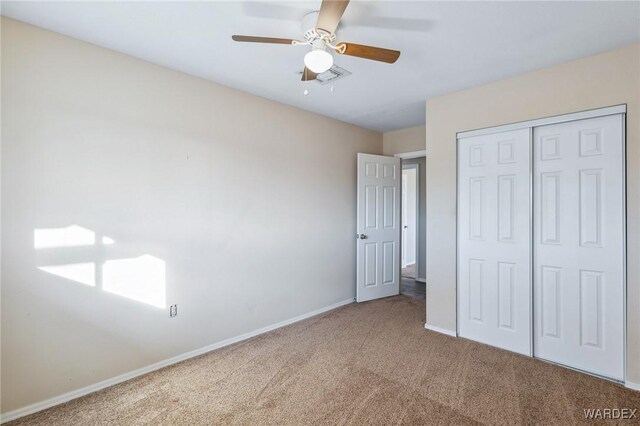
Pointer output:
422, 280
631, 385
440, 330
39, 406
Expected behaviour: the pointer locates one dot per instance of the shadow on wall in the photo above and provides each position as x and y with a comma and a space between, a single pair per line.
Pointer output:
93, 263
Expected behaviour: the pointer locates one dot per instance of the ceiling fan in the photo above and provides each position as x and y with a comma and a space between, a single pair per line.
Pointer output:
319, 33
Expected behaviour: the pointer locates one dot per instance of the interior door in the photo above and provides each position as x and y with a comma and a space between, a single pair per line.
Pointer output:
579, 244
378, 223
494, 239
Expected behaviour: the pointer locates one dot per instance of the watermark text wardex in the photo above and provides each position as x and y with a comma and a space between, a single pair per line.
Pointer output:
610, 413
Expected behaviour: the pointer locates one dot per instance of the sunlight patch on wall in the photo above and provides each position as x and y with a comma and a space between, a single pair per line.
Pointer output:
71, 236
141, 278
84, 273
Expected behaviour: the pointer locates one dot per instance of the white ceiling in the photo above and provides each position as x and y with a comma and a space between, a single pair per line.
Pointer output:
446, 46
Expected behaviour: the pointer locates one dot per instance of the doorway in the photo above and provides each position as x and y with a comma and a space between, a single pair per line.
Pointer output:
379, 222
409, 220
413, 238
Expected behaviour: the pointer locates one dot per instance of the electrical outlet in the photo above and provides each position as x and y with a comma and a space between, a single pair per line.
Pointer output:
173, 310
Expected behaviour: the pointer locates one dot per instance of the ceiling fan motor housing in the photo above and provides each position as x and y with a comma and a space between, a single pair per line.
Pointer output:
318, 44
311, 33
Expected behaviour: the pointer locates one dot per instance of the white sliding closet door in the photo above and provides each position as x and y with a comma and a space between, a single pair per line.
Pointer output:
494, 239
579, 244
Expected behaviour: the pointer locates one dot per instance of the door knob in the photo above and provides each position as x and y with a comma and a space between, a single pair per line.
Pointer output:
362, 237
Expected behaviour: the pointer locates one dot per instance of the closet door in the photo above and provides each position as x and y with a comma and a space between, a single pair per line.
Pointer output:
579, 244
494, 240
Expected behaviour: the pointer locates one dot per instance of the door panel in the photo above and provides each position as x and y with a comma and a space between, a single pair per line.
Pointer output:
579, 245
378, 223
494, 239
506, 302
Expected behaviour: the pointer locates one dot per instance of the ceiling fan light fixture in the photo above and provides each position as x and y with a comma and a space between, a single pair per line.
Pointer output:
319, 32
318, 60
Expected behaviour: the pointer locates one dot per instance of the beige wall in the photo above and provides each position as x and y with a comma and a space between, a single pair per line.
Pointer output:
246, 201
602, 80
403, 140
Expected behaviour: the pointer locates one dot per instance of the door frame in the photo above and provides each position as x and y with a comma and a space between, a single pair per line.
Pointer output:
417, 215
531, 124
412, 154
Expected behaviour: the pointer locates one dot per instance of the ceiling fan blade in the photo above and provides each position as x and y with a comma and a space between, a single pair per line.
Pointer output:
308, 75
368, 52
252, 39
330, 14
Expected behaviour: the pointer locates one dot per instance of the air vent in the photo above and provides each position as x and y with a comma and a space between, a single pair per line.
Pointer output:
332, 74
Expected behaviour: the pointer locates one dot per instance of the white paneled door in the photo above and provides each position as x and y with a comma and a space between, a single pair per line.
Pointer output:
378, 223
579, 244
494, 239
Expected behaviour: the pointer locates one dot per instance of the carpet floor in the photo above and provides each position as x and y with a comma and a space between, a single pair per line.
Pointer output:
367, 363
